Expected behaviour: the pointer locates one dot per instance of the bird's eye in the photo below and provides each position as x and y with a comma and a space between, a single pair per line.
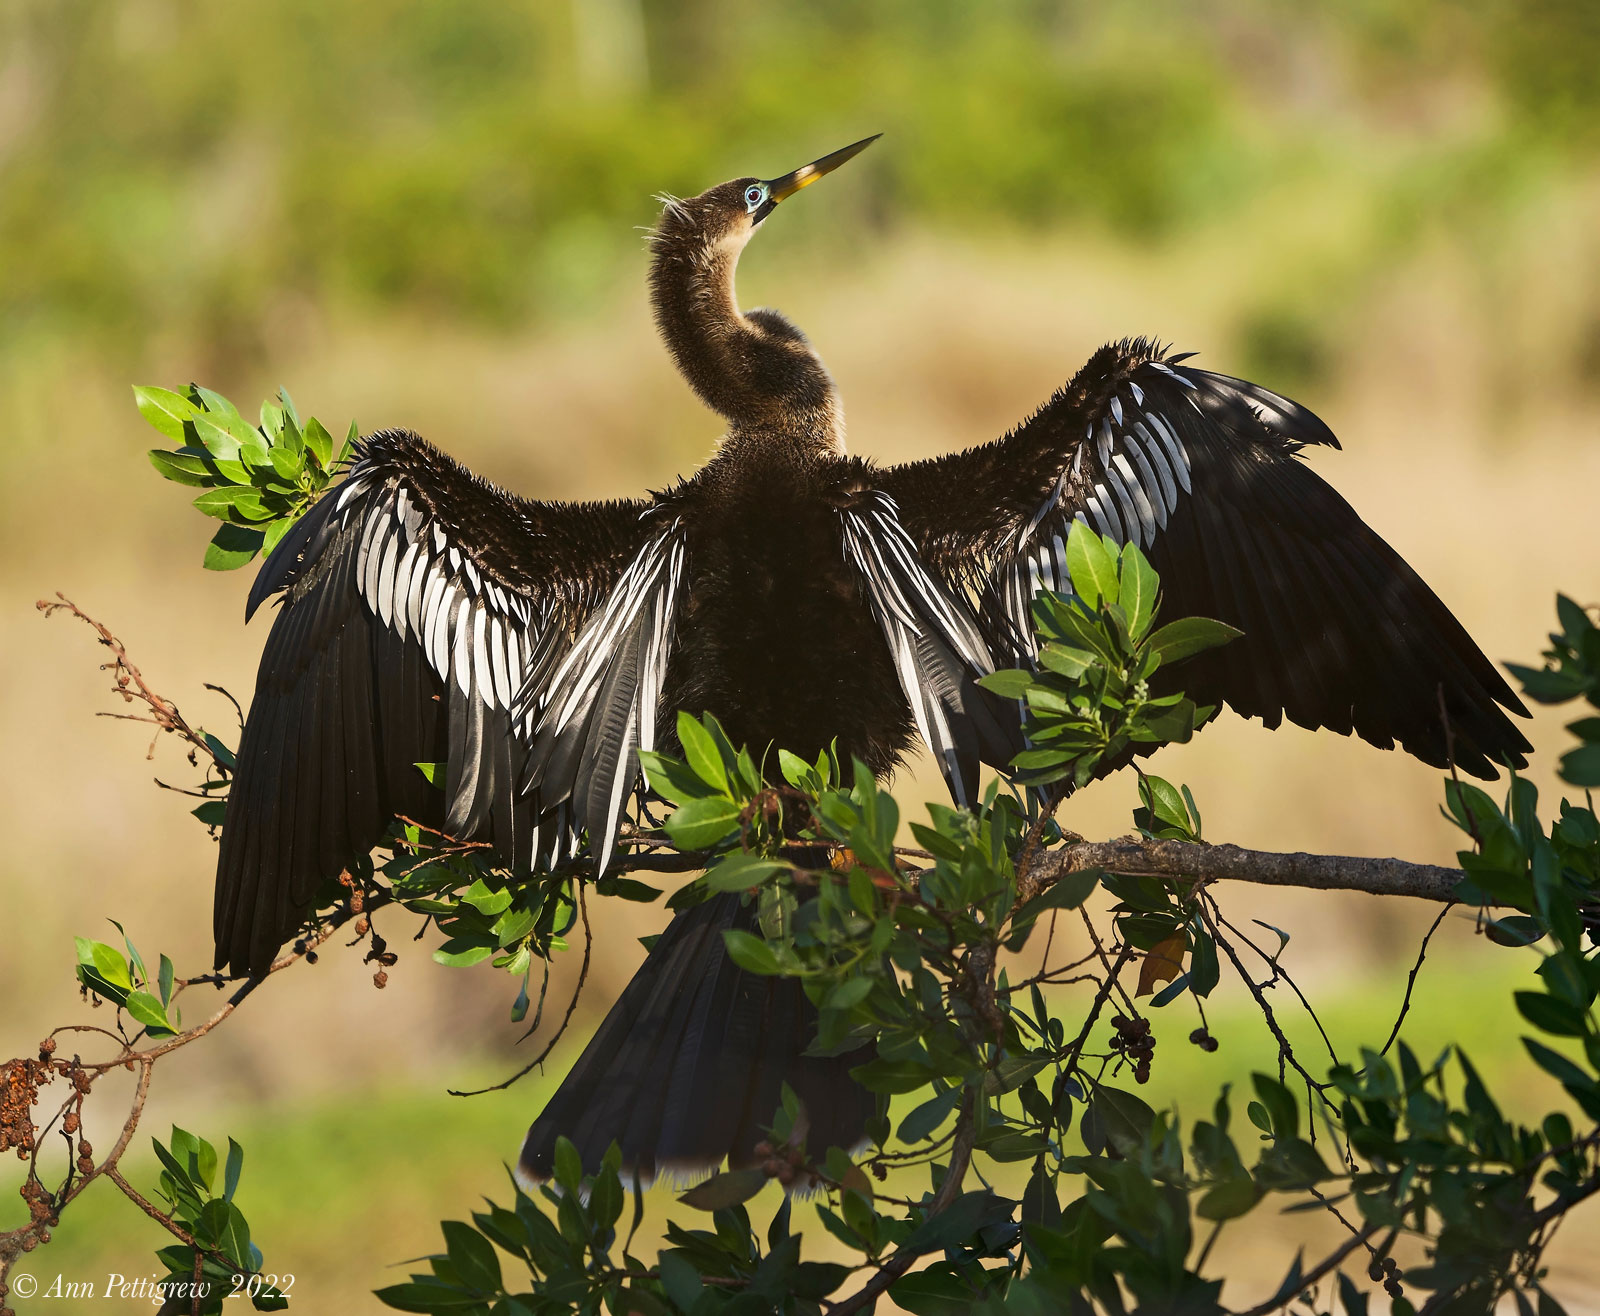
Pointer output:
754, 195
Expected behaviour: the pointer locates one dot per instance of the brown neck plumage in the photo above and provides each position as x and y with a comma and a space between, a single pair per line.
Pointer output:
756, 368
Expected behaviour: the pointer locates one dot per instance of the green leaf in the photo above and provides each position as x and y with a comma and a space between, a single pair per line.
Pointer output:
485, 901
1188, 636
849, 994
1280, 1105
1559, 1067
1092, 564
1068, 892
181, 468
233, 503
1229, 1199
959, 1221
197, 1154
927, 1117
164, 978
1123, 1119
165, 410
1581, 766
148, 1011
427, 1295
1010, 683
108, 961
725, 1190
700, 824
319, 441
1550, 1015
235, 1166
892, 1076
740, 871
750, 952
231, 547
434, 772
222, 1222
701, 753
1069, 662
475, 1260
462, 952
1136, 594
939, 1290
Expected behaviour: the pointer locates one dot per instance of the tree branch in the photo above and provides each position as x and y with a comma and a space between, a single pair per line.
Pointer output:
1211, 863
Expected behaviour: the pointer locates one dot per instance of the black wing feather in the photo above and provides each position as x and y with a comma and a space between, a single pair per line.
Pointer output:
1203, 471
422, 610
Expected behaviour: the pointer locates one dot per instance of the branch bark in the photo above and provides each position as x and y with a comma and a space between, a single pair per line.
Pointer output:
1210, 863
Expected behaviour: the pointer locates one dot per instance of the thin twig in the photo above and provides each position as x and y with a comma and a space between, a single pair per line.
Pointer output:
902, 1261
583, 977
1411, 980
1314, 1274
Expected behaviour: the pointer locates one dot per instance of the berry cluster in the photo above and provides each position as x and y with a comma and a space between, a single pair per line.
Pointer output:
1134, 1042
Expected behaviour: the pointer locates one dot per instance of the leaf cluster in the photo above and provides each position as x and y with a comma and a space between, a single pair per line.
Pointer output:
228, 1261
1090, 705
257, 478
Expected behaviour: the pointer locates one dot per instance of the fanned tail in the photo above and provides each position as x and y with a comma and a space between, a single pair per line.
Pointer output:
688, 1068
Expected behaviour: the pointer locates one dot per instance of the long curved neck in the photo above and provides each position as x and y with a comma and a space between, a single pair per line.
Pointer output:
755, 369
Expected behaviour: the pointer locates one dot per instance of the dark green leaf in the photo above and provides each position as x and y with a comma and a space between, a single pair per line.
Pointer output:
181, 469
231, 547
959, 1221
726, 1189
741, 870
700, 824
222, 1223
701, 753
426, 1295
937, 1291
473, 1256
1123, 1119
1188, 636
1581, 767
1008, 684
750, 952
1279, 1103
1550, 1015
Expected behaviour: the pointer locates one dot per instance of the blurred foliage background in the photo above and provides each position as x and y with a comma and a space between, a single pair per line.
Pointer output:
423, 212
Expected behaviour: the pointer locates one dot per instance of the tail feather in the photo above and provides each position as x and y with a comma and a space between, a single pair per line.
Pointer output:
688, 1068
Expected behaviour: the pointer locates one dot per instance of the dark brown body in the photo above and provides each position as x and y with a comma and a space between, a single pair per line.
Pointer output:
774, 638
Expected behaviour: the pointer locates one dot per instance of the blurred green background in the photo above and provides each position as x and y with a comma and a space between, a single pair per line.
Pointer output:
426, 212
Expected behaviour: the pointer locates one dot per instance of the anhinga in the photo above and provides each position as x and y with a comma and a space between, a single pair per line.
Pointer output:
803, 596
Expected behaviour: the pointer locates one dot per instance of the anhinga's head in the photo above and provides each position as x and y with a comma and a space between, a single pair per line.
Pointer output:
755, 367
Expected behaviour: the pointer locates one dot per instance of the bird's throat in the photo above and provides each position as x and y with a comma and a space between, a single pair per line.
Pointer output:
757, 370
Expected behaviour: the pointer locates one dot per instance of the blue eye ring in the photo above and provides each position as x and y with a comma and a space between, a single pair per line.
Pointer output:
754, 197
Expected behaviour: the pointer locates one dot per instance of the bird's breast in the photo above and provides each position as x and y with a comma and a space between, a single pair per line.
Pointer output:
775, 638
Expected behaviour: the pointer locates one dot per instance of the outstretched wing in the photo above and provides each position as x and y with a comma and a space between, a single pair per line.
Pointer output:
427, 616
1203, 472
939, 650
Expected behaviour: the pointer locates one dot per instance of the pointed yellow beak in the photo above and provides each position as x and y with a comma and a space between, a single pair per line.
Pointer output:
780, 189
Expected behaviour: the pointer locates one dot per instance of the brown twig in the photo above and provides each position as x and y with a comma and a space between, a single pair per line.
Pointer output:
577, 990
1327, 1267
1411, 980
129, 682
